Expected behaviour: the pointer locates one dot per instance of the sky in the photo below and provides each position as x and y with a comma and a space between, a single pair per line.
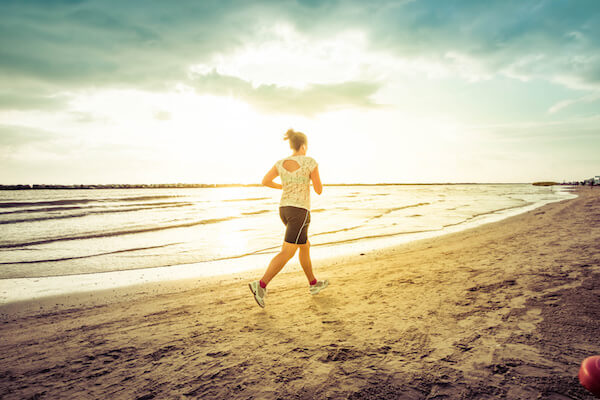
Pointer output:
414, 91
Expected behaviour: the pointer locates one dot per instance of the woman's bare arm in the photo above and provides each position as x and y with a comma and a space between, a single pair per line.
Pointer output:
316, 180
268, 179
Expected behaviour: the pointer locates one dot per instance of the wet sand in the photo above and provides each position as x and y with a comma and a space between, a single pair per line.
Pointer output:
504, 310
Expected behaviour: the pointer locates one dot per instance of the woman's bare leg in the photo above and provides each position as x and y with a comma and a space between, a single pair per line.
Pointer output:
305, 261
278, 262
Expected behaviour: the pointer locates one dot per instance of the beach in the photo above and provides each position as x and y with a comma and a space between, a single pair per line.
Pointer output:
503, 310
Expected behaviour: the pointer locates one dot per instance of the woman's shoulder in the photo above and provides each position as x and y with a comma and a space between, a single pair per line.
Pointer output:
301, 158
310, 160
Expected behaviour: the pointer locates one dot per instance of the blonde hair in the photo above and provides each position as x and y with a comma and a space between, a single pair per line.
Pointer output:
297, 139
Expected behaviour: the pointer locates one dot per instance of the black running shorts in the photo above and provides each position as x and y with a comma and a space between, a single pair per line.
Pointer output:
296, 221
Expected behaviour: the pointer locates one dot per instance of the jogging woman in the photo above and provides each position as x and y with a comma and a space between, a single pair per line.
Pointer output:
296, 172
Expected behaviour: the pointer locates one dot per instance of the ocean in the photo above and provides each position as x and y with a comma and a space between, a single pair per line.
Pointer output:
58, 241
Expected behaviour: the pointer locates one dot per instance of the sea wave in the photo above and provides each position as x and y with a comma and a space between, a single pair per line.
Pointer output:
256, 212
249, 199
85, 214
113, 233
88, 255
488, 213
368, 220
16, 204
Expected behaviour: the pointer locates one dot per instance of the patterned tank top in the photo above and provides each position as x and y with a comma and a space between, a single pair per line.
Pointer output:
296, 184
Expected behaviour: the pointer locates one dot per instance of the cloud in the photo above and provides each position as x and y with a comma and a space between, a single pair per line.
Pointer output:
162, 115
31, 99
567, 103
310, 100
529, 40
114, 43
34, 145
14, 135
87, 117
77, 45
17, 142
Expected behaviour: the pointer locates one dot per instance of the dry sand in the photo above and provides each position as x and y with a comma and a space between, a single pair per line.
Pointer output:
505, 310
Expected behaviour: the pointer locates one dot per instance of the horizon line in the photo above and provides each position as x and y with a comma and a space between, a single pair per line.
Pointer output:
223, 185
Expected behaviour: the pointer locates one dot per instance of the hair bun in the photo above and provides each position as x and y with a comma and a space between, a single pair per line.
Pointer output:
289, 134
297, 139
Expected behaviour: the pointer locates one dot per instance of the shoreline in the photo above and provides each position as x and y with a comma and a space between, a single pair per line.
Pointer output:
38, 288
504, 310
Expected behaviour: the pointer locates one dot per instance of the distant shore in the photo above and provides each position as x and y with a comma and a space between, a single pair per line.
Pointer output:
225, 185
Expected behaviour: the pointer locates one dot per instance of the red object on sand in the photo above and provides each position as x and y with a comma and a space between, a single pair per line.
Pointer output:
589, 374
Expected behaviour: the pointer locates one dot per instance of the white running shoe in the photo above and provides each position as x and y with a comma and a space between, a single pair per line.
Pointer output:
258, 292
317, 287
